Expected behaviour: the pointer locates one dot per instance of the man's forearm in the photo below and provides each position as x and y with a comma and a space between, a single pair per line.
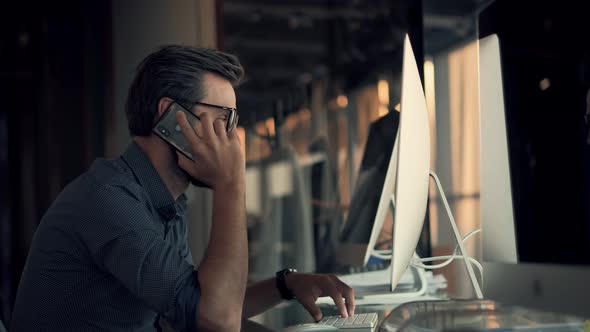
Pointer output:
224, 270
260, 297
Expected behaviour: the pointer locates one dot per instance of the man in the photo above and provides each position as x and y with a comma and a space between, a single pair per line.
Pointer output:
111, 252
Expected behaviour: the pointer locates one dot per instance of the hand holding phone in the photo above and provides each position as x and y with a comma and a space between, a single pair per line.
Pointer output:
220, 162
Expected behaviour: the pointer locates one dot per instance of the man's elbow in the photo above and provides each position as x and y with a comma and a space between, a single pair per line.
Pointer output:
220, 307
210, 319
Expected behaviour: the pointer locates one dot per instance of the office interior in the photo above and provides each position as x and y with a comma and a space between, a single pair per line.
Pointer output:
318, 73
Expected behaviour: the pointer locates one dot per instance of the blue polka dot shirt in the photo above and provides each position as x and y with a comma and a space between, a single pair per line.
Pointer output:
110, 254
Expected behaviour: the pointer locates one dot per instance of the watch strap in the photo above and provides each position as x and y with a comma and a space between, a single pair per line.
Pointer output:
281, 283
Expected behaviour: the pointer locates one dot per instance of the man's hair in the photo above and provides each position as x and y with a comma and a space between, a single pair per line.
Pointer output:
176, 72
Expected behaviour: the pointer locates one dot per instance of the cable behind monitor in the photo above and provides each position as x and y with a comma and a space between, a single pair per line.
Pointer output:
458, 238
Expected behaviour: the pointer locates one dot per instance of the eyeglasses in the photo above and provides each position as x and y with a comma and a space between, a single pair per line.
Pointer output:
227, 114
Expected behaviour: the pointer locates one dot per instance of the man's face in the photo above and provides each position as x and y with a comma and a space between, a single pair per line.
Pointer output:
218, 91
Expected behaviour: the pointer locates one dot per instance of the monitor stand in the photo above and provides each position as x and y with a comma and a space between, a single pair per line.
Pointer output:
386, 294
458, 238
420, 282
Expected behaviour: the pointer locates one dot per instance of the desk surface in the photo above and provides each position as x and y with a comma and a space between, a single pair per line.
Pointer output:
472, 315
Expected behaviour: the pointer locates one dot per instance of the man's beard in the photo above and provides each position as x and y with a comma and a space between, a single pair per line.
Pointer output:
194, 181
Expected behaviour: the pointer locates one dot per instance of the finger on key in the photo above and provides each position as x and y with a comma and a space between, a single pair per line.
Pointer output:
338, 300
347, 292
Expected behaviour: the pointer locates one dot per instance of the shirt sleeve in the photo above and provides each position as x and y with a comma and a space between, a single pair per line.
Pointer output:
126, 244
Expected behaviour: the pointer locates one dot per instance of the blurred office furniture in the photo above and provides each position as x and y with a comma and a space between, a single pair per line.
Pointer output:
327, 212
284, 235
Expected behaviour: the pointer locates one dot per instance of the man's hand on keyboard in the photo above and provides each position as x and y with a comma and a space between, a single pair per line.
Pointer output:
307, 288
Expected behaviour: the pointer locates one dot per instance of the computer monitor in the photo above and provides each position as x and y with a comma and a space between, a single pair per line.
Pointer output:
535, 157
362, 230
406, 181
412, 169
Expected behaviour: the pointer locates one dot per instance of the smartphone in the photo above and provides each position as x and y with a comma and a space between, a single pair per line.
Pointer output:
168, 129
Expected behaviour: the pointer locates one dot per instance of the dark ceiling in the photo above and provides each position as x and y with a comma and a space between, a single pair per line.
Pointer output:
286, 44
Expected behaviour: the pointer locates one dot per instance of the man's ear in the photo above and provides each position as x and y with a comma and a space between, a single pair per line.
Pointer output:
163, 104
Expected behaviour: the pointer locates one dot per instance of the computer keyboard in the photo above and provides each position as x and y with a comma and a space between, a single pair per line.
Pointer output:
365, 321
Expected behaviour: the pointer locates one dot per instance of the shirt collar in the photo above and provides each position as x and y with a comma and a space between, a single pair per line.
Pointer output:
148, 178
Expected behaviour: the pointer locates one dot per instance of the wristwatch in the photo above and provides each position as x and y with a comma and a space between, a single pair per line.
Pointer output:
286, 293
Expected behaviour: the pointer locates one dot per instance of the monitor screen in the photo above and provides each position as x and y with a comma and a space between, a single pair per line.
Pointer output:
545, 61
370, 179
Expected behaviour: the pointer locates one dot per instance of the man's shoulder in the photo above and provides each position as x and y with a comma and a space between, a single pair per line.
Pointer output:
112, 173
106, 187
115, 184
106, 179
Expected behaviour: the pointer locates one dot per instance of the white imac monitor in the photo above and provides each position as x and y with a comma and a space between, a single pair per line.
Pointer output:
405, 180
535, 158
407, 176
412, 168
